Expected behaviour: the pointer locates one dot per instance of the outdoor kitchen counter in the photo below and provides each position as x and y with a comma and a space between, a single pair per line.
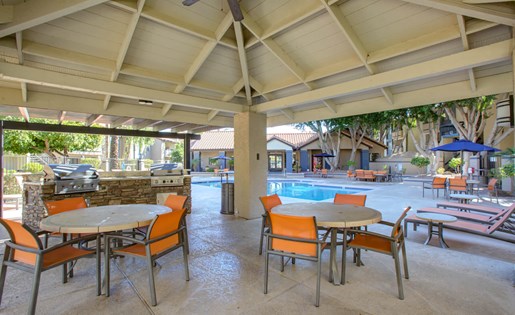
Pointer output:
113, 190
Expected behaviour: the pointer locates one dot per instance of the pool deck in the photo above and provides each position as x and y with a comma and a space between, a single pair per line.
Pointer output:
474, 276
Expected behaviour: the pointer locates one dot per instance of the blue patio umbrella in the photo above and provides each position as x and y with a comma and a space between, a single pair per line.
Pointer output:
323, 155
223, 158
464, 145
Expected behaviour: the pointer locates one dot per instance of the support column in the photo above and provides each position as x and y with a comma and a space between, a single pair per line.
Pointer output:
304, 161
187, 154
250, 163
289, 161
1, 168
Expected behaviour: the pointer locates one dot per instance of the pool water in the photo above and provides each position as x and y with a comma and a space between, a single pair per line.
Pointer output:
300, 190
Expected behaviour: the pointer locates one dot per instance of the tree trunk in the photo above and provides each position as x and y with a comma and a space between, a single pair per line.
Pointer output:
114, 153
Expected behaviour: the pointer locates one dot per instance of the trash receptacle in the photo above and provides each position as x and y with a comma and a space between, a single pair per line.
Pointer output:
227, 198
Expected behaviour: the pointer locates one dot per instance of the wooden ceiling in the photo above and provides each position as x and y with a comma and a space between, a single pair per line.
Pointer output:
161, 65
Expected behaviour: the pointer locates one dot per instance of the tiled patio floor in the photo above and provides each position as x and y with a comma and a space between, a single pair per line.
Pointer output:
474, 276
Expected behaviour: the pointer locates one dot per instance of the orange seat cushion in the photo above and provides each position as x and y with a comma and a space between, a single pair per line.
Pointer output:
371, 242
59, 255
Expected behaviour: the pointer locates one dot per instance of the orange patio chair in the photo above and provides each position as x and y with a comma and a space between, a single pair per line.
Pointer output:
293, 237
176, 202
324, 172
58, 206
348, 199
25, 251
165, 234
384, 244
437, 184
492, 189
458, 185
268, 203
351, 175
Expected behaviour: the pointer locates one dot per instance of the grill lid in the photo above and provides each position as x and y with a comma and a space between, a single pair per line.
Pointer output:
69, 171
165, 169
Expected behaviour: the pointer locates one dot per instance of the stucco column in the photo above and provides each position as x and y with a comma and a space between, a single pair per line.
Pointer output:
250, 164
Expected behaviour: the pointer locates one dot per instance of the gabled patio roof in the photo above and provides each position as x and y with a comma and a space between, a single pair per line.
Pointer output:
158, 64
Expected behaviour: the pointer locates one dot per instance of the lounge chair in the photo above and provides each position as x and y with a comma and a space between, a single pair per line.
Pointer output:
502, 225
482, 218
468, 207
351, 175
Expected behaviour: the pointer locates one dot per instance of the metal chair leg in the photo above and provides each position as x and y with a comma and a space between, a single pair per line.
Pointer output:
185, 261
3, 271
99, 285
107, 255
398, 273
262, 235
151, 278
266, 267
319, 272
35, 285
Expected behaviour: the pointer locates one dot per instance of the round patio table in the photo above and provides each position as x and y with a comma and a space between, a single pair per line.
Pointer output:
334, 217
463, 198
102, 219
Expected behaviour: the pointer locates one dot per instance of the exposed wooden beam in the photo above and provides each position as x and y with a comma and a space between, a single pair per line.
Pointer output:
24, 92
184, 127
51, 101
199, 60
460, 61
472, 10
466, 46
212, 114
288, 113
146, 124
122, 52
166, 109
60, 116
356, 44
92, 119
486, 86
24, 113
167, 125
19, 47
122, 121
243, 61
32, 13
67, 81
235, 89
107, 99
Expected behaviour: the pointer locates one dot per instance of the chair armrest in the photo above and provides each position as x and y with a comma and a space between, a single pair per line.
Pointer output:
386, 223
295, 239
374, 234
165, 235
23, 248
124, 238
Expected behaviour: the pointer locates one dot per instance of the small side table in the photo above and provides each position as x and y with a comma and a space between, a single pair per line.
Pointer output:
439, 219
463, 198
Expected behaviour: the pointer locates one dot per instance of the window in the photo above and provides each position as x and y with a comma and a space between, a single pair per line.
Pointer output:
275, 162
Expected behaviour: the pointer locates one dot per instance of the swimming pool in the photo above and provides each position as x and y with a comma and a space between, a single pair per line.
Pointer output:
300, 190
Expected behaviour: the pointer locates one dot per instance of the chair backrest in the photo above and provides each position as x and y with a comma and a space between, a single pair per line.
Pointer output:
492, 228
163, 224
324, 171
24, 236
176, 202
347, 199
226, 170
297, 227
439, 182
398, 224
458, 183
350, 174
270, 201
491, 184
216, 171
68, 204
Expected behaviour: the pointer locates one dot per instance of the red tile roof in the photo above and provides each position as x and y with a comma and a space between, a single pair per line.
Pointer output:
224, 140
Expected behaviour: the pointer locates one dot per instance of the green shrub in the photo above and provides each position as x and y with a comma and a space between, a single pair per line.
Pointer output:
420, 161
33, 167
440, 171
93, 161
455, 163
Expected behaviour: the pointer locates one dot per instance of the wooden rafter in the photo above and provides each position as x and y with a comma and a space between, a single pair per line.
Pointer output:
92, 119
466, 46
243, 61
32, 13
60, 116
146, 124
122, 121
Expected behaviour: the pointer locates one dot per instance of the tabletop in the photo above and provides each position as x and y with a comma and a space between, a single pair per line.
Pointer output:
332, 215
103, 218
463, 196
436, 217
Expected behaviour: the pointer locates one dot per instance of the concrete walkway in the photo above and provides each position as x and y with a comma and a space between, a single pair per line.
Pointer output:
474, 276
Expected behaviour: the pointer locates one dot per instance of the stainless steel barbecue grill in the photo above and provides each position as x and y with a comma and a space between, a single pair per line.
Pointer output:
166, 174
72, 178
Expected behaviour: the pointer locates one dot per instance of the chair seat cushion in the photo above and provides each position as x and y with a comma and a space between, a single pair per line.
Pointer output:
371, 242
66, 253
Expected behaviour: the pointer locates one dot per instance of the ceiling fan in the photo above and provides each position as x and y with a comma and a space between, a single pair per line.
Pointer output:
233, 5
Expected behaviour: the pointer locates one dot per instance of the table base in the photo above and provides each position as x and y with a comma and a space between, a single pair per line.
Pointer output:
439, 232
